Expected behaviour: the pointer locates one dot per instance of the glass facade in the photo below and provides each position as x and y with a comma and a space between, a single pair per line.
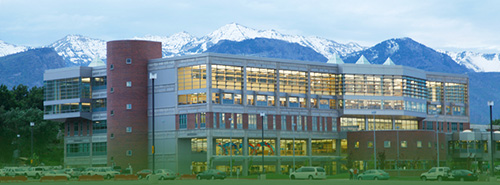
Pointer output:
260, 79
456, 93
67, 108
229, 147
227, 77
286, 147
192, 77
255, 147
196, 98
67, 89
294, 82
326, 84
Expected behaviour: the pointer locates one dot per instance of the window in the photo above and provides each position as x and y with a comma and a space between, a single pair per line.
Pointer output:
129, 83
387, 144
99, 127
129, 152
370, 144
182, 121
404, 144
112, 136
129, 106
239, 121
314, 123
356, 145
128, 61
252, 121
129, 129
283, 122
429, 145
227, 77
222, 120
192, 77
111, 67
112, 113
203, 117
111, 89
419, 144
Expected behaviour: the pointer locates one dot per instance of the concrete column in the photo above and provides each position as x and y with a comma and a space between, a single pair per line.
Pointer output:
309, 150
278, 154
245, 155
210, 148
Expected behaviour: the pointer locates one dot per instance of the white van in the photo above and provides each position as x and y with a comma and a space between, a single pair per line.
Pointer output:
309, 172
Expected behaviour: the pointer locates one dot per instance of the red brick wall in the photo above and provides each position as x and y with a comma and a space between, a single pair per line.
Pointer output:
137, 95
409, 153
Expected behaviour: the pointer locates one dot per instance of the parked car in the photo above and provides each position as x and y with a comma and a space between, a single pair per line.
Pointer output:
211, 174
107, 173
35, 172
54, 173
20, 171
10, 171
462, 175
163, 174
143, 173
73, 172
308, 172
373, 175
436, 173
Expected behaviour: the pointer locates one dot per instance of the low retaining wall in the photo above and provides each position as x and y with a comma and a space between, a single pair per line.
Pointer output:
14, 179
126, 177
90, 178
53, 178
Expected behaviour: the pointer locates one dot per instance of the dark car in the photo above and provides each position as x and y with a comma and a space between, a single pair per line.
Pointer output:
143, 173
211, 174
374, 175
462, 175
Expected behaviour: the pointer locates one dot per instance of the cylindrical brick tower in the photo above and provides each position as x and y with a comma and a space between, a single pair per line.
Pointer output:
127, 101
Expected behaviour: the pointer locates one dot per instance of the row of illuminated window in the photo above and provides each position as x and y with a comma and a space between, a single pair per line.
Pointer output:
357, 124
236, 122
386, 105
268, 100
449, 110
67, 89
429, 125
261, 79
286, 147
83, 149
403, 144
67, 108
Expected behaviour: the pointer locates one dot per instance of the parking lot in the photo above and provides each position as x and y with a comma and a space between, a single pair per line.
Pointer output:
251, 182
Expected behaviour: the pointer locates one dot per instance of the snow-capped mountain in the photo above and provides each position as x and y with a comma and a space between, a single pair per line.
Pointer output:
479, 62
7, 49
183, 43
79, 50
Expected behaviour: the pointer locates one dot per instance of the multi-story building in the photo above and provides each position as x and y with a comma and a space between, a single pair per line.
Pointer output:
250, 114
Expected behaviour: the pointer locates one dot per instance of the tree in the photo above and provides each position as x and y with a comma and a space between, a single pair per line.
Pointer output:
19, 107
381, 159
496, 122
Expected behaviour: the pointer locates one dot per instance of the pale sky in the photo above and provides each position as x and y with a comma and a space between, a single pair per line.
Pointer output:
453, 25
